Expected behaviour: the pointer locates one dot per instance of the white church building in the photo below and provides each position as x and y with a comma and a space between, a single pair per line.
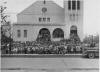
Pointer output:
46, 19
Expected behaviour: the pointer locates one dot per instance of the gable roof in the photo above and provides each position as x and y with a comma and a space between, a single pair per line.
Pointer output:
41, 3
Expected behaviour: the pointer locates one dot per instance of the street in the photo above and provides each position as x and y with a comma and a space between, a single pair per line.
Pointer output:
66, 64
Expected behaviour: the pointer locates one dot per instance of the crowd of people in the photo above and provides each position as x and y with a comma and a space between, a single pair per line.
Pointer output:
42, 48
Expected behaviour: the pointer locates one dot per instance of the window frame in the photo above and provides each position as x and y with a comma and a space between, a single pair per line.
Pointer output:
78, 5
40, 19
48, 19
25, 33
18, 33
74, 5
44, 19
69, 4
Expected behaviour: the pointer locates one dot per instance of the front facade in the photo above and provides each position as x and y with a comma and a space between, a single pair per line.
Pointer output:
46, 19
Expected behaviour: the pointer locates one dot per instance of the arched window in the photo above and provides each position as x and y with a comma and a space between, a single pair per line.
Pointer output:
58, 33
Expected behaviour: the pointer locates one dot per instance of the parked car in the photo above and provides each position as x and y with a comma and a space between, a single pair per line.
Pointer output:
91, 52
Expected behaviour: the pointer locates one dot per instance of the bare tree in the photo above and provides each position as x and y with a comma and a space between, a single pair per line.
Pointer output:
91, 39
4, 17
2, 13
5, 27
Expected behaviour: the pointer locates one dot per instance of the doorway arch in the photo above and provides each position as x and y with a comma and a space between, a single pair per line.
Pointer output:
44, 35
73, 30
74, 35
58, 33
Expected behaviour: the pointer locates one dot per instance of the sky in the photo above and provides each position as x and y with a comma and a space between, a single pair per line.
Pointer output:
91, 12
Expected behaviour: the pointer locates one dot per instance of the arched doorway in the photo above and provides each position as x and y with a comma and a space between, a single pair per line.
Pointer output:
73, 30
58, 33
44, 35
73, 34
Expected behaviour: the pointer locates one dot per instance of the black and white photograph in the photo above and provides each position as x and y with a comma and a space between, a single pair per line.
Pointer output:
49, 35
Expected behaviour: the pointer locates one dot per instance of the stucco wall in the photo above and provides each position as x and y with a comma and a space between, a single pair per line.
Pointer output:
32, 31
31, 14
78, 19
28, 19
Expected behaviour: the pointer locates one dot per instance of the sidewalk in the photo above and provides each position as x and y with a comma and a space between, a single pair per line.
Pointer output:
41, 55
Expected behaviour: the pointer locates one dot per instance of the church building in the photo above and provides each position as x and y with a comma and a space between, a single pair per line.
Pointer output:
45, 19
